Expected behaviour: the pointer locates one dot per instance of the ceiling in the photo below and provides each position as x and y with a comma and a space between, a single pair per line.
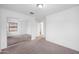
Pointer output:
39, 12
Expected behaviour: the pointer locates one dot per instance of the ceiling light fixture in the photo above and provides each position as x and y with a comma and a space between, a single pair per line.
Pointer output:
39, 5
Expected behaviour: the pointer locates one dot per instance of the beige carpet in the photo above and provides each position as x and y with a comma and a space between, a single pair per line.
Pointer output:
11, 40
38, 46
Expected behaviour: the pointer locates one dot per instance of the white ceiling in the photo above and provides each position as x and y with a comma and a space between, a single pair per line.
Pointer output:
46, 10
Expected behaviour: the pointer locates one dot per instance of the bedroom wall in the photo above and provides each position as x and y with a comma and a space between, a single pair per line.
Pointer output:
0, 32
63, 28
21, 19
32, 27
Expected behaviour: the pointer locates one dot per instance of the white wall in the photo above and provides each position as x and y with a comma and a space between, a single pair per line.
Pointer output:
3, 40
32, 27
0, 31
63, 28
5, 13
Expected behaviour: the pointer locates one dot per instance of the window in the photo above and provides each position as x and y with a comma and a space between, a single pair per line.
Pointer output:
12, 26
